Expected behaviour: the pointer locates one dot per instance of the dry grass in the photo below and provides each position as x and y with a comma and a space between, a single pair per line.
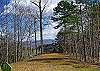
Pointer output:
38, 66
43, 64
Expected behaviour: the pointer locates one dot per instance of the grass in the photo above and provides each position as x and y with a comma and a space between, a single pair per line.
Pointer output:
43, 64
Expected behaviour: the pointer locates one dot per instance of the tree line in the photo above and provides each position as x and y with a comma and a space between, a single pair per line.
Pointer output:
79, 22
18, 27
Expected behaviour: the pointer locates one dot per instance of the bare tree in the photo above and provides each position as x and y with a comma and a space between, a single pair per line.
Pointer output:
41, 10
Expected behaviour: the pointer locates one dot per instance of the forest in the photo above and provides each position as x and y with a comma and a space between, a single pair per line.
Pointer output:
80, 27
78, 36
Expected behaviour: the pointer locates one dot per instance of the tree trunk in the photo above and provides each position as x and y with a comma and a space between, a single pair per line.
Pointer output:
83, 43
41, 27
35, 34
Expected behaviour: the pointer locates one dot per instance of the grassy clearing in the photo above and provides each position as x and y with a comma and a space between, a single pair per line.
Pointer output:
52, 65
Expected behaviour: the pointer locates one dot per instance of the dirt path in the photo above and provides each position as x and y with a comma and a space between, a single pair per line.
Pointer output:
51, 62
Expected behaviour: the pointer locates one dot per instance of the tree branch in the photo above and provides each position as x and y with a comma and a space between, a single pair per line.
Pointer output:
45, 6
35, 3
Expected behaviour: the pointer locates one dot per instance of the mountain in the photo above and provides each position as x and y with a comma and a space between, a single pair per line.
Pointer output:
45, 41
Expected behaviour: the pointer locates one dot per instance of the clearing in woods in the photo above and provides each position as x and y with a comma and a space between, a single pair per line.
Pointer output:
52, 62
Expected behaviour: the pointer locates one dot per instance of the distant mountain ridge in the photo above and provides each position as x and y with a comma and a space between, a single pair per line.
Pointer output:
45, 41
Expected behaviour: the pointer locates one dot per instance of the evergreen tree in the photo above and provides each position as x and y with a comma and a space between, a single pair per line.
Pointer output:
66, 15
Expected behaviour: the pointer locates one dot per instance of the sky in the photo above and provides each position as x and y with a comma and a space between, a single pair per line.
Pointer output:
3, 3
49, 32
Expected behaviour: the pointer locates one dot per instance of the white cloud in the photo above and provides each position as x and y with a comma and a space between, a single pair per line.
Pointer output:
49, 32
50, 8
51, 4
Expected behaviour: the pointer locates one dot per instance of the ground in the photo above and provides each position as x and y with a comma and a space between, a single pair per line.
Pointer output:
52, 62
